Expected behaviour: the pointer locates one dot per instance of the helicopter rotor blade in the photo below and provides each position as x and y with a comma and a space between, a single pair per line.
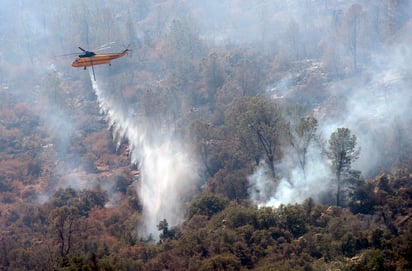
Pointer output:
70, 54
82, 49
105, 46
102, 48
108, 44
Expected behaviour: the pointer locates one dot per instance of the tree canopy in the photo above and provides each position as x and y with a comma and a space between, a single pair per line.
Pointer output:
343, 152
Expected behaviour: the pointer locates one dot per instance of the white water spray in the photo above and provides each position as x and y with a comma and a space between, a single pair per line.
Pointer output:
168, 171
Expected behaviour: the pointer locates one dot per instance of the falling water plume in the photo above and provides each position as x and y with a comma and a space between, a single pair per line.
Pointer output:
168, 170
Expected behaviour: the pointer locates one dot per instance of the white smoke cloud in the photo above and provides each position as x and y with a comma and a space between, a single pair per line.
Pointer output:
374, 104
293, 187
168, 170
262, 185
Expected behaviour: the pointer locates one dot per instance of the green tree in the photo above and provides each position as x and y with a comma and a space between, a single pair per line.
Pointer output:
231, 183
214, 77
246, 69
301, 137
342, 152
64, 224
166, 233
209, 141
207, 204
224, 261
250, 75
259, 125
183, 46
89, 199
365, 199
183, 38
163, 226
293, 218
64, 197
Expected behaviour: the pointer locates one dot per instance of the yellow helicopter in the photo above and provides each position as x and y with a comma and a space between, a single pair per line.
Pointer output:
88, 58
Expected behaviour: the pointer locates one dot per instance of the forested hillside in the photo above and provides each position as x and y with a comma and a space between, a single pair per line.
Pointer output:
235, 135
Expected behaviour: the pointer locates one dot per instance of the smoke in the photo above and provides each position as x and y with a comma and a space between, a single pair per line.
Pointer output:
390, 103
375, 108
168, 171
294, 186
49, 99
374, 104
262, 186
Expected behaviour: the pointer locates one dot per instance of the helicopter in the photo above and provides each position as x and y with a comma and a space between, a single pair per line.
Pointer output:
88, 58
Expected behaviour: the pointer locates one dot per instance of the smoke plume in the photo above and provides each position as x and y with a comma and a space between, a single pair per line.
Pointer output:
294, 186
373, 103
